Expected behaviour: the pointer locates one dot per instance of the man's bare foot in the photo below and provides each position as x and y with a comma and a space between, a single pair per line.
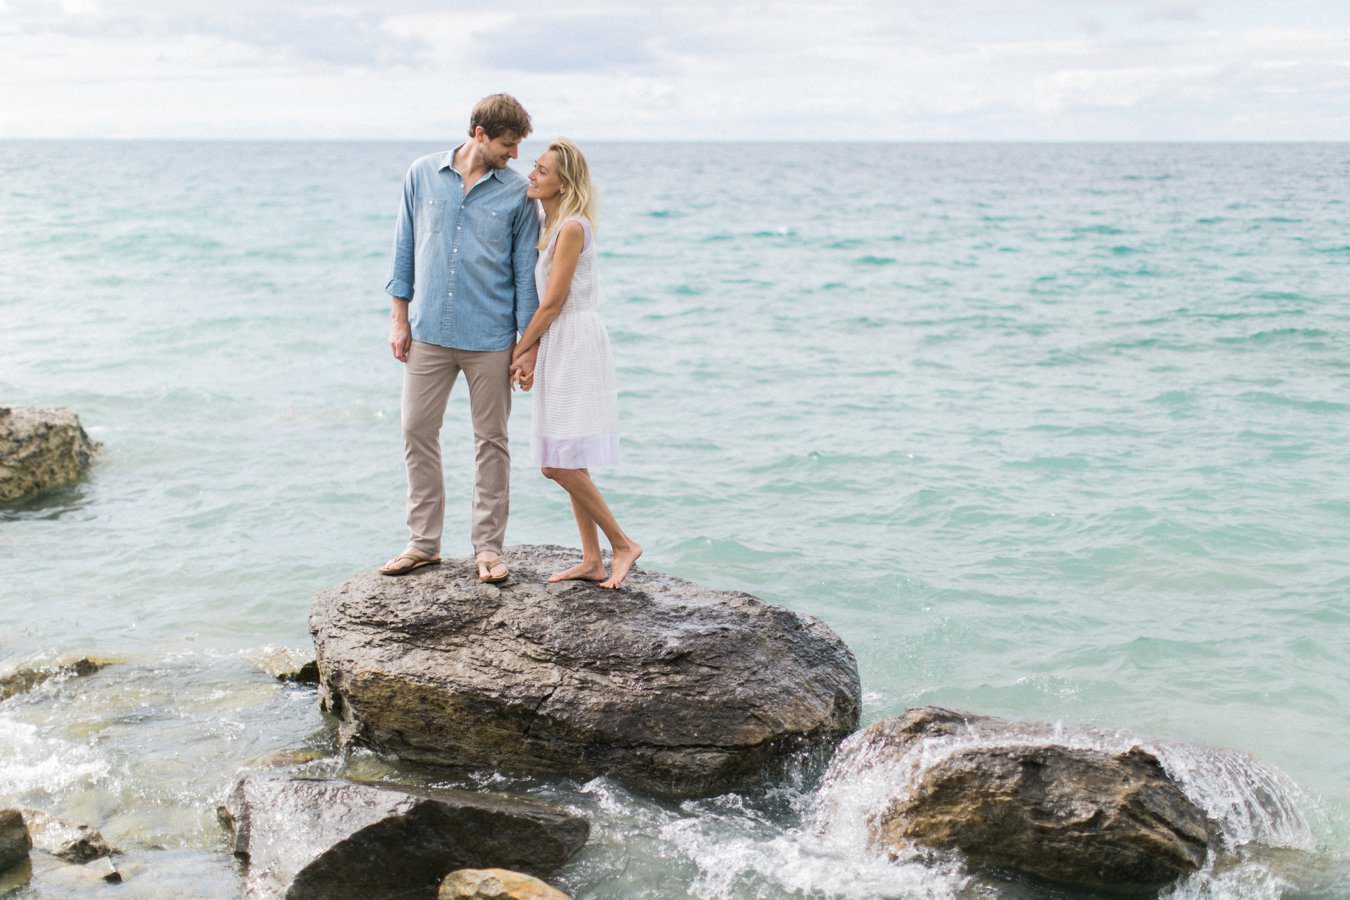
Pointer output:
582, 571
623, 562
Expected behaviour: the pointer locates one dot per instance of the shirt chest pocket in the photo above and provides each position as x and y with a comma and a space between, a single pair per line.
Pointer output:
493, 228
431, 215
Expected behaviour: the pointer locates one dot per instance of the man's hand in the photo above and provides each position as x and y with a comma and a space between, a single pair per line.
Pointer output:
522, 376
400, 335
522, 368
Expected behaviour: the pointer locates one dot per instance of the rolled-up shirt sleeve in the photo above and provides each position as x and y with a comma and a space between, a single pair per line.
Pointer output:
524, 235
401, 271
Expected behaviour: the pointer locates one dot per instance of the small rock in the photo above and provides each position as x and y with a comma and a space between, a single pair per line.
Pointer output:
40, 450
73, 843
1082, 816
25, 680
106, 870
667, 685
318, 837
306, 674
496, 884
15, 841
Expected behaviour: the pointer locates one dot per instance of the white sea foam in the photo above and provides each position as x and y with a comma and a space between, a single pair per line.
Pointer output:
31, 761
801, 861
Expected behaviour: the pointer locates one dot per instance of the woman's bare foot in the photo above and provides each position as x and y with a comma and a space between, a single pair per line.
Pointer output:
623, 561
582, 571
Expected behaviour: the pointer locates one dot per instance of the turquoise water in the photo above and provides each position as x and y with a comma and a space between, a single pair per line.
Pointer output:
1051, 432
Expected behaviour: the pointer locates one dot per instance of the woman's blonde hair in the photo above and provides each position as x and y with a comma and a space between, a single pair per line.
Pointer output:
578, 198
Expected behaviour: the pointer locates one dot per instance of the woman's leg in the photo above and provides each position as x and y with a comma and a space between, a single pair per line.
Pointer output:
591, 567
584, 493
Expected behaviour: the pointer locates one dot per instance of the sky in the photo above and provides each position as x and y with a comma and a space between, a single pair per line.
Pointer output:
791, 70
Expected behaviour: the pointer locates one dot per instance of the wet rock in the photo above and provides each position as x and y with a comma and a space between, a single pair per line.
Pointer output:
1084, 816
287, 664
664, 684
25, 680
72, 843
334, 839
496, 884
106, 870
15, 841
306, 674
285, 759
40, 450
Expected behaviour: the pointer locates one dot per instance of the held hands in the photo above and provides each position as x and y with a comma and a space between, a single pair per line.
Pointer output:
522, 368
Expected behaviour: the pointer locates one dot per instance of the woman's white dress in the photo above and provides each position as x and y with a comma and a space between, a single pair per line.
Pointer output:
576, 404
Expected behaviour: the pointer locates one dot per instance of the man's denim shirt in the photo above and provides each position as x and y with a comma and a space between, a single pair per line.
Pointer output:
465, 263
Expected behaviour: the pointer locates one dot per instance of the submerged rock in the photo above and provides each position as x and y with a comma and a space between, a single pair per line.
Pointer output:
496, 884
333, 839
665, 684
25, 680
40, 450
14, 839
1073, 814
73, 843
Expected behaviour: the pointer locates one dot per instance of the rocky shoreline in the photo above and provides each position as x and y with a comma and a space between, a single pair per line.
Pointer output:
671, 688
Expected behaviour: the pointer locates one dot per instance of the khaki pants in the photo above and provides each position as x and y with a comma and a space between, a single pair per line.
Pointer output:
429, 375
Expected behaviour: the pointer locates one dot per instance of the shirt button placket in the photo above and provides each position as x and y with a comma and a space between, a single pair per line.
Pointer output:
450, 281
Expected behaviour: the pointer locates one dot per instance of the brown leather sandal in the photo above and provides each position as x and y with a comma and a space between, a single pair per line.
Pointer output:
414, 562
487, 566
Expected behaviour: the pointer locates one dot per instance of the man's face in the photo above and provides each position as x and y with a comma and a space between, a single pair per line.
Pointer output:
498, 151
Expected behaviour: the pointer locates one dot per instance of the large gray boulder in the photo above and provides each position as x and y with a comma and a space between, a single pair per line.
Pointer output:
40, 450
667, 685
332, 839
15, 841
1090, 817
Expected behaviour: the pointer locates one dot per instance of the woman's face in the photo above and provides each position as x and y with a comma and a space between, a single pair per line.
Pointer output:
544, 181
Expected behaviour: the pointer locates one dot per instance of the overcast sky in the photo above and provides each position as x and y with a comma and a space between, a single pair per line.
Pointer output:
694, 70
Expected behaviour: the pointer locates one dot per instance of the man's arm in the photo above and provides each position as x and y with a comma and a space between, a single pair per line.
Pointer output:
524, 235
401, 275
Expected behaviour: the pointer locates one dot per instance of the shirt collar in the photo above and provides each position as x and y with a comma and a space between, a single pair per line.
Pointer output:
448, 162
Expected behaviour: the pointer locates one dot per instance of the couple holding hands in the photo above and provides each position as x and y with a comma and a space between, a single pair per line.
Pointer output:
494, 275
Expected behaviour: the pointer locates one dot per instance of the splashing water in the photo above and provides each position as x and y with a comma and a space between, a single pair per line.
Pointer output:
1251, 803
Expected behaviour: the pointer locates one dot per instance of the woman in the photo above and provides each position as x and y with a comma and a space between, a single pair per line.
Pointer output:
576, 424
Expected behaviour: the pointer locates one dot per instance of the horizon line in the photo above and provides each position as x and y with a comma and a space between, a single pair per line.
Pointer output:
723, 141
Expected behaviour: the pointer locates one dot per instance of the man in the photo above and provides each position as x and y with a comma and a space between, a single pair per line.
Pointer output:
462, 289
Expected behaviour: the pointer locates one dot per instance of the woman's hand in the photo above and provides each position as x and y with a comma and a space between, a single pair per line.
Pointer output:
522, 376
522, 366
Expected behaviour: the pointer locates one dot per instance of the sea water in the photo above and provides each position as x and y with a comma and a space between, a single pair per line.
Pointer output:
1058, 433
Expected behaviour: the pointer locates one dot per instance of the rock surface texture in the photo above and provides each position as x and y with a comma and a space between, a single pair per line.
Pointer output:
1084, 816
664, 684
332, 839
40, 449
496, 884
14, 840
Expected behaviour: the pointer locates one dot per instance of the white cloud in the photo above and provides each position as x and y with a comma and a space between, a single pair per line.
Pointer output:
981, 69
